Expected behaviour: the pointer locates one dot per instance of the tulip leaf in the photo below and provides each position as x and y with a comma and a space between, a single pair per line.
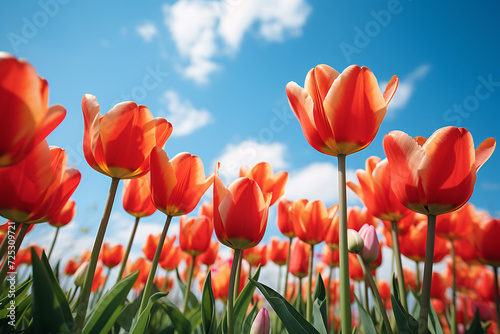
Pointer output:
366, 319
319, 298
406, 323
434, 324
318, 319
104, 314
127, 314
141, 324
179, 321
192, 300
292, 320
249, 319
475, 327
19, 294
50, 309
208, 311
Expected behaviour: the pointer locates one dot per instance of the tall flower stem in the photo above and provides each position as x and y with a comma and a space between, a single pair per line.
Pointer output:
53, 243
329, 290
371, 281
154, 265
367, 303
497, 297
417, 274
127, 252
277, 322
309, 303
345, 289
454, 290
287, 267
188, 284
399, 264
5, 242
426, 286
236, 289
17, 244
230, 293
87, 286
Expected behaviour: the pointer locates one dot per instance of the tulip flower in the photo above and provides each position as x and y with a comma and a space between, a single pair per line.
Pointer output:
26, 117
278, 250
332, 235
64, 217
144, 267
355, 242
414, 243
262, 173
152, 243
371, 248
208, 258
111, 256
299, 260
172, 259
71, 267
256, 256
207, 209
262, 323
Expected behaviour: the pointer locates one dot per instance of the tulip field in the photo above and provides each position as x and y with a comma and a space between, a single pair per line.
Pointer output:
211, 274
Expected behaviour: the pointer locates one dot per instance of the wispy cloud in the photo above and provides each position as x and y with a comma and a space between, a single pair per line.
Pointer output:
183, 115
406, 88
147, 31
203, 31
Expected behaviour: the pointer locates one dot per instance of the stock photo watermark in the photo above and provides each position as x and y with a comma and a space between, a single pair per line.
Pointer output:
11, 258
32, 24
365, 34
459, 111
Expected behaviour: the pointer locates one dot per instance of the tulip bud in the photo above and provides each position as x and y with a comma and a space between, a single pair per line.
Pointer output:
261, 324
354, 241
80, 274
369, 253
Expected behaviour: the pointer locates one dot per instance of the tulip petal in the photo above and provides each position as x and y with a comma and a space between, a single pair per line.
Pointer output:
484, 151
390, 89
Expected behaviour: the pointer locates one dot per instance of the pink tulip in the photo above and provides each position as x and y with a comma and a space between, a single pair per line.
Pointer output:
261, 324
371, 248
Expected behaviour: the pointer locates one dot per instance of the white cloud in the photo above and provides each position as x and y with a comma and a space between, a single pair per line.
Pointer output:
147, 31
250, 152
319, 180
184, 116
205, 30
405, 90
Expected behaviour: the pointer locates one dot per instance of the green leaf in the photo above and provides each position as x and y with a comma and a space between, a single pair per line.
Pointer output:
292, 320
247, 324
192, 300
434, 324
475, 327
318, 319
19, 294
366, 319
140, 325
104, 314
180, 322
208, 311
406, 323
50, 309
319, 298
127, 314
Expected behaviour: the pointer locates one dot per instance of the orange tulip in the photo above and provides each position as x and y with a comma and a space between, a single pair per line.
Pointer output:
151, 244
455, 225
284, 218
355, 269
24, 255
311, 220
71, 267
413, 243
409, 278
137, 197
178, 184
172, 258
375, 190
357, 217
332, 235
143, 266
111, 256
35, 189
195, 234
256, 255
26, 117
436, 175
340, 113
98, 280
485, 241
65, 216
330, 257
160, 283
384, 289
207, 209
262, 173
119, 143
465, 251
299, 259
278, 250
208, 258
240, 212
438, 286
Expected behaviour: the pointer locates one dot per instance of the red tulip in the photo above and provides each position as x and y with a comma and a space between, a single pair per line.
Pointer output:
26, 117
311, 220
340, 113
137, 197
455, 225
357, 217
111, 256
98, 280
262, 173
278, 250
65, 216
436, 175
71, 267
195, 234
207, 209
376, 192
151, 244
172, 258
355, 269
413, 243
208, 258
485, 241
178, 184
256, 255
143, 266
438, 286
284, 218
119, 143
35, 189
330, 257
240, 212
299, 259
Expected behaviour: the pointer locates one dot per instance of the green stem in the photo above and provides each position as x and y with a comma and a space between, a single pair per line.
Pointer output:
399, 264
127, 252
369, 277
417, 274
53, 243
106, 280
367, 303
17, 244
73, 295
497, 297
426, 286
454, 291
329, 290
345, 289
299, 295
154, 265
87, 286
237, 277
287, 267
5, 242
230, 292
309, 303
188, 285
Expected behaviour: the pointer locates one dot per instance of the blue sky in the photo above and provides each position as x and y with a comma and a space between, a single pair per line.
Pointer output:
218, 70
